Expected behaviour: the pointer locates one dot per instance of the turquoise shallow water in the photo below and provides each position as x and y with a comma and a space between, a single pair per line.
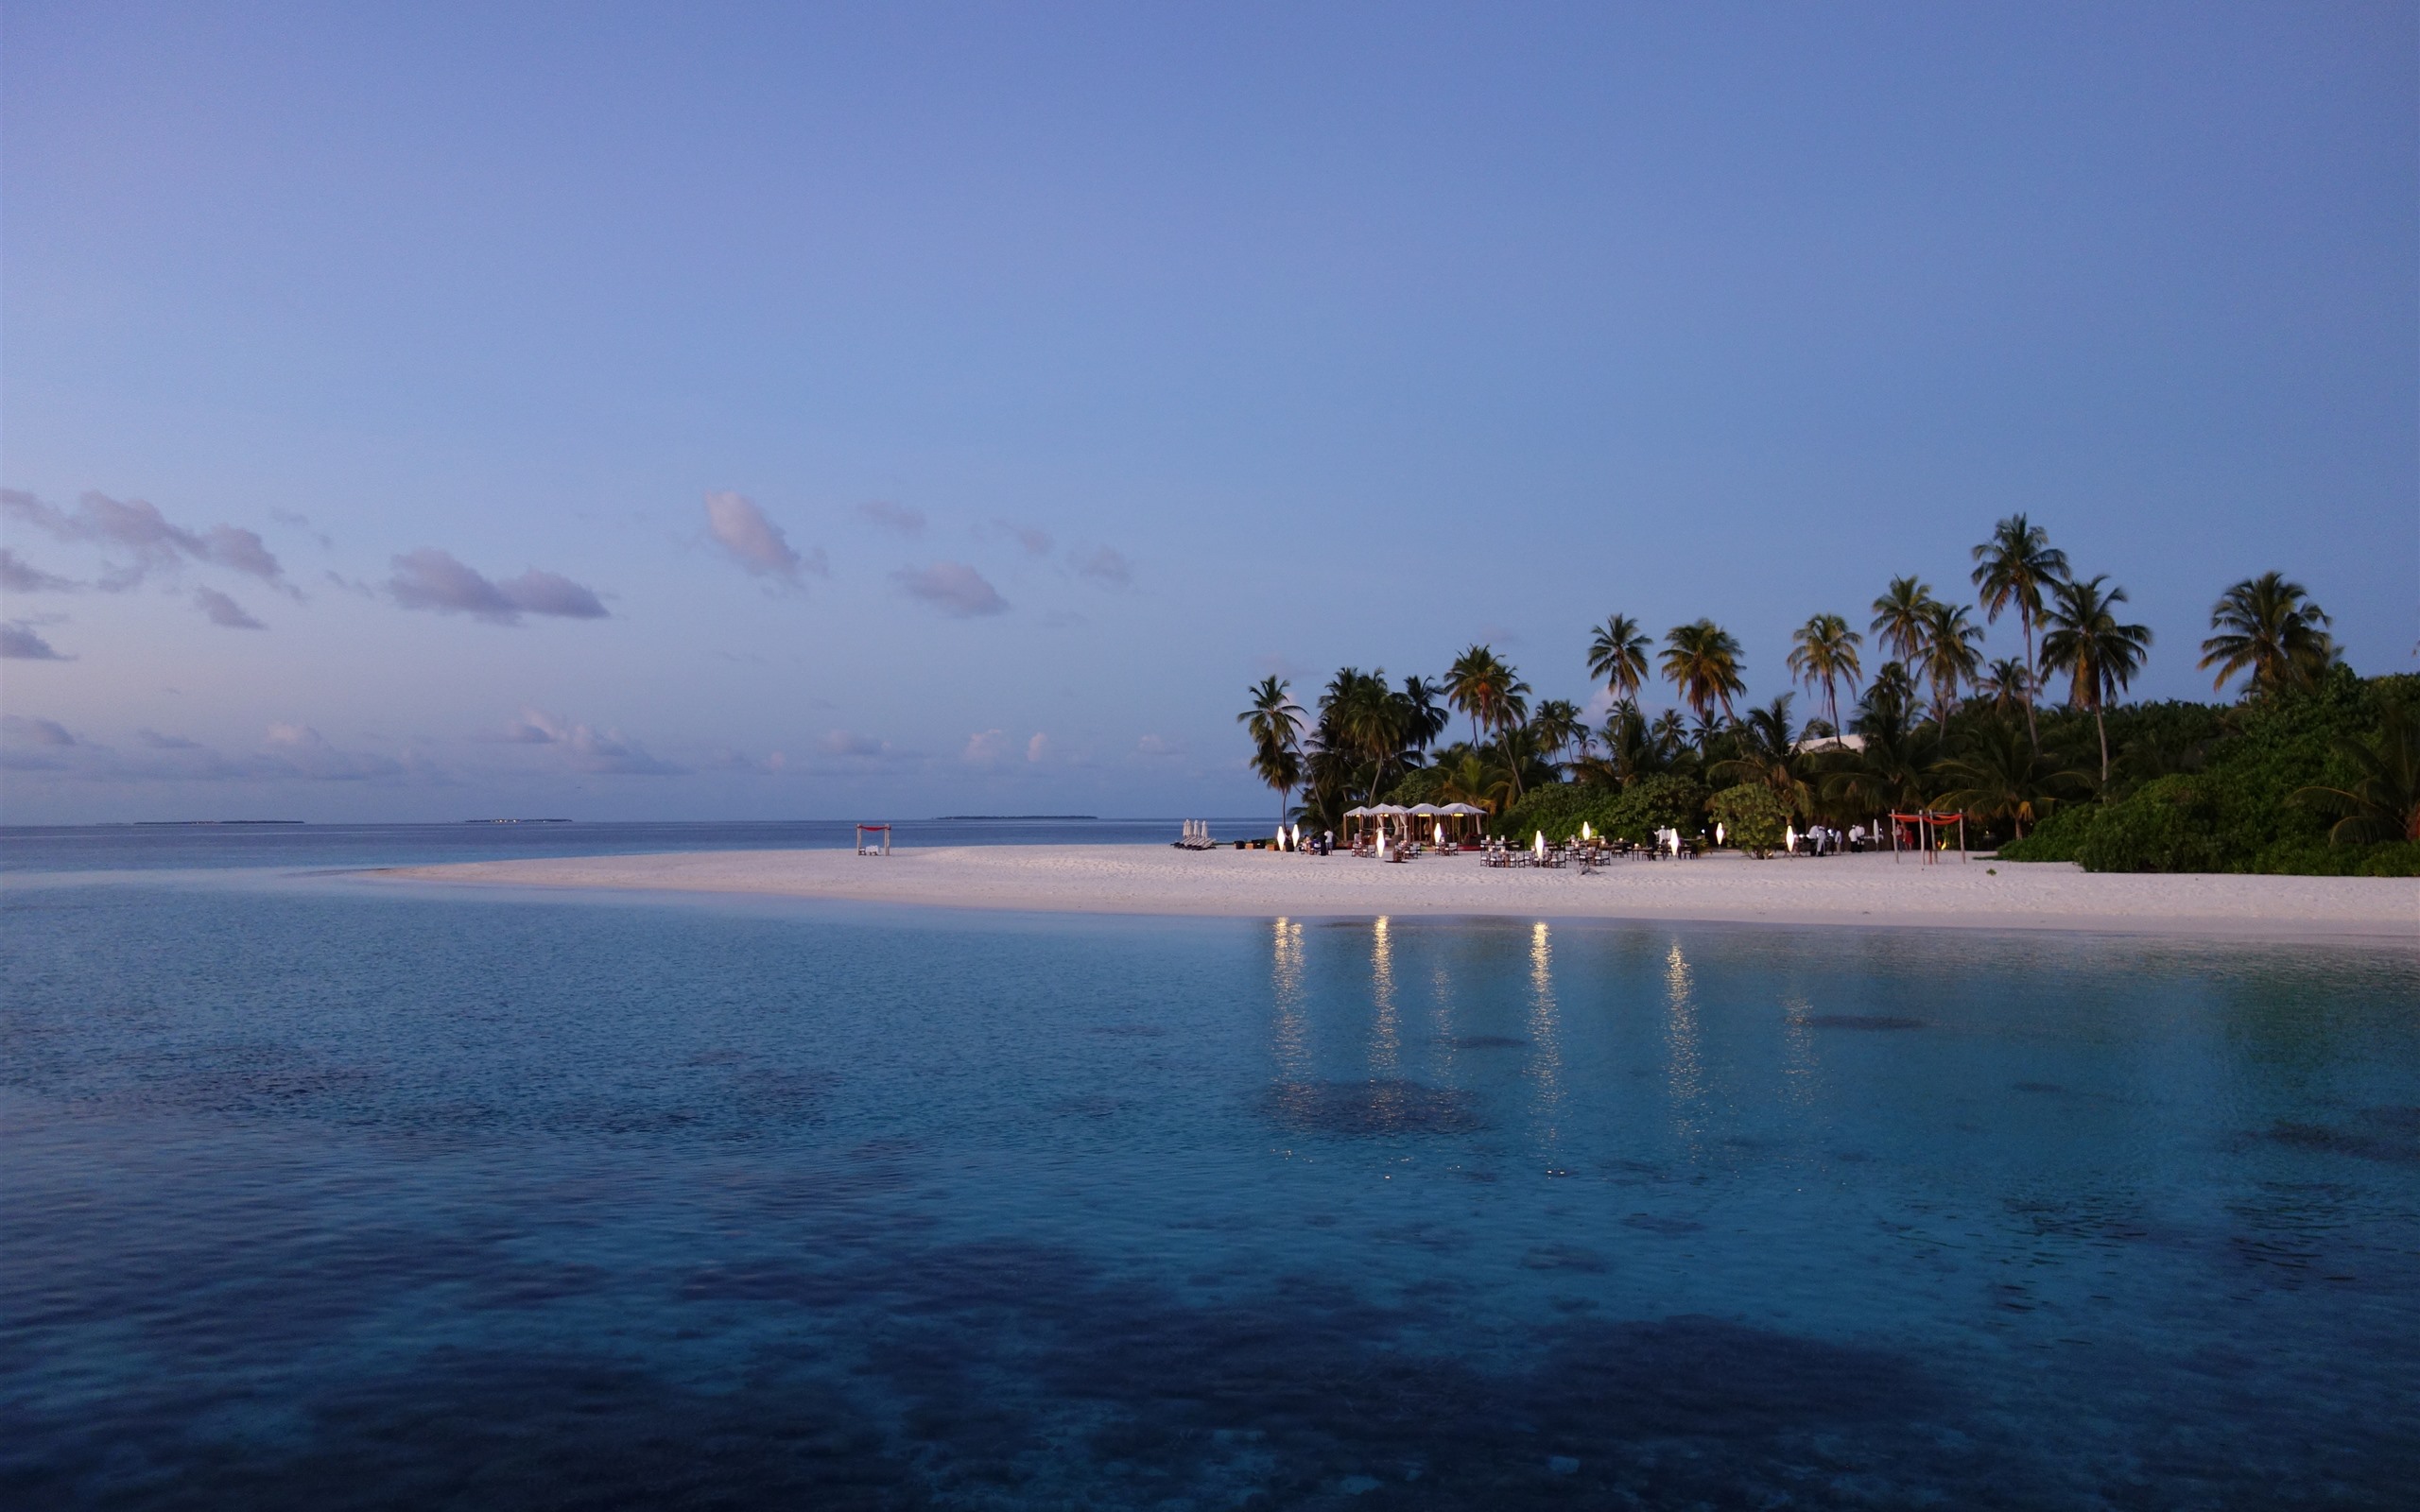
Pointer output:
325, 1193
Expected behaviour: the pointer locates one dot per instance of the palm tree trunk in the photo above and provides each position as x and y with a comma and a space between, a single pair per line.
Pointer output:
2105, 751
2032, 679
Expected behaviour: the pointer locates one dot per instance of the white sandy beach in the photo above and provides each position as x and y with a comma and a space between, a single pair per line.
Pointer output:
1857, 890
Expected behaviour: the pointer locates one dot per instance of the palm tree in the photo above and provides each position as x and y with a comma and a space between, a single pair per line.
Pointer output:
1524, 758
1889, 694
1617, 657
1952, 655
1424, 718
1482, 686
1887, 773
1822, 652
1769, 754
2098, 654
2000, 776
1703, 735
2013, 570
1631, 750
2383, 804
1473, 778
1670, 733
1702, 659
2009, 685
1899, 618
1369, 718
1557, 726
1275, 726
2271, 628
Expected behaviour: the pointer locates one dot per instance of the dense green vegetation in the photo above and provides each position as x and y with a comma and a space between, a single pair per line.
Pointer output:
2311, 770
2248, 788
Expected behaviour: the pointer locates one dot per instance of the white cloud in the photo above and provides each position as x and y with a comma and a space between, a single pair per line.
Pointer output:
1156, 746
288, 753
984, 748
433, 579
841, 743
1036, 541
755, 543
21, 642
727, 760
1038, 749
16, 729
224, 611
18, 576
296, 520
607, 752
885, 515
302, 751
1104, 566
137, 528
954, 588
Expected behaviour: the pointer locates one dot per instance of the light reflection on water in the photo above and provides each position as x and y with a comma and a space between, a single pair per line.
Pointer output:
1685, 1073
311, 1191
1545, 1060
1386, 1038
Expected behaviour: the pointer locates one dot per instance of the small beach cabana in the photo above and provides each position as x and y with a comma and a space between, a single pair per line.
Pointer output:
1464, 816
1353, 819
880, 846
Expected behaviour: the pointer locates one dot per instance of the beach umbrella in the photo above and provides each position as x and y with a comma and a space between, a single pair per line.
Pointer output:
1538, 847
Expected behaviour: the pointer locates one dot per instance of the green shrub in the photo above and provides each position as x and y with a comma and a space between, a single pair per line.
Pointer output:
1664, 802
1419, 786
1752, 816
1633, 813
1558, 809
2303, 858
2056, 837
2168, 825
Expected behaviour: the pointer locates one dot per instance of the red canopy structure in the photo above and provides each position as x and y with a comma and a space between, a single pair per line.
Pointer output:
880, 848
1923, 828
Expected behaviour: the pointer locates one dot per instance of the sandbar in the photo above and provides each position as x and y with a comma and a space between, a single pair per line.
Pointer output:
1857, 890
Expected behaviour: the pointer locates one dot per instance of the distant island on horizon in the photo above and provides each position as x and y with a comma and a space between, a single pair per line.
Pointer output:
172, 824
995, 818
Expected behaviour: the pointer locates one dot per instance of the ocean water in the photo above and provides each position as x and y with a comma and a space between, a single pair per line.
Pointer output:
164, 847
320, 1192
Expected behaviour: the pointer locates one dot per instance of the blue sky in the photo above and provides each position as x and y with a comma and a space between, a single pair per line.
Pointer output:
419, 412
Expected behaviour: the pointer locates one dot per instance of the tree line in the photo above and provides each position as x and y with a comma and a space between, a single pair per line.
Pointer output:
1936, 725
